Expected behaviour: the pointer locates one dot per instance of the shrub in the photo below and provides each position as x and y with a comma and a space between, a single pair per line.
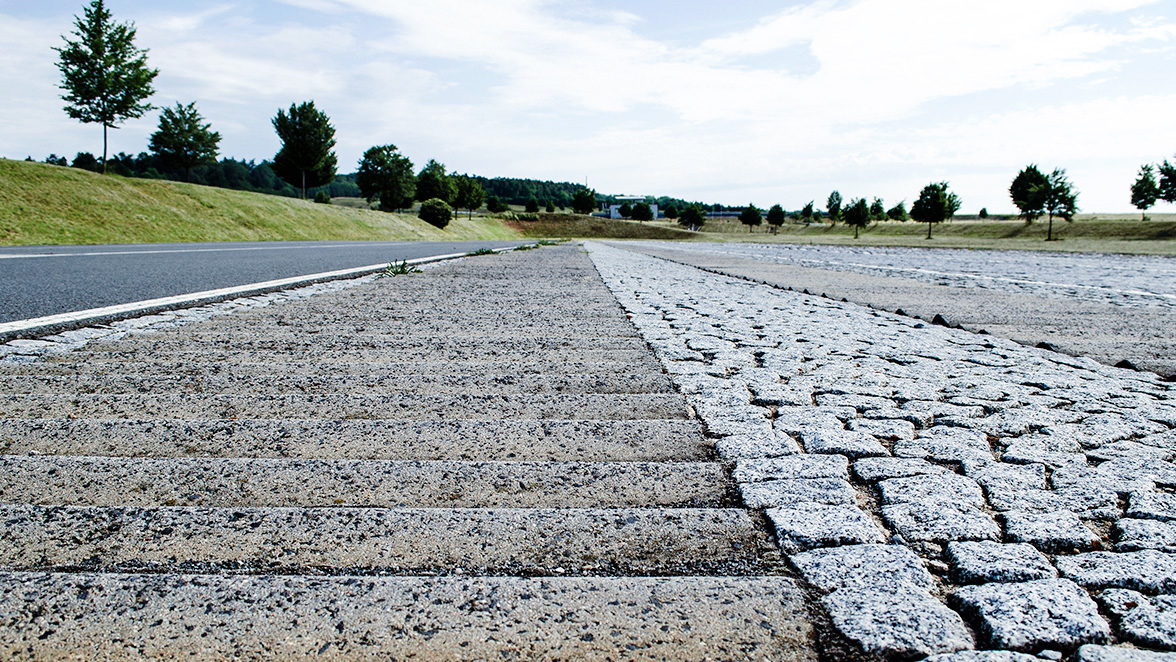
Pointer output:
435, 212
322, 197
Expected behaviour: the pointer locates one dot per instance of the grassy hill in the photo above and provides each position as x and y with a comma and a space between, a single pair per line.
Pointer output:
46, 204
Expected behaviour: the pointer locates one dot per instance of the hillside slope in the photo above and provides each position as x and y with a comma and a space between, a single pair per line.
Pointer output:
46, 204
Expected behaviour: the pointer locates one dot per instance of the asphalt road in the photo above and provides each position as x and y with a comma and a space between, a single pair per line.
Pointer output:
37, 281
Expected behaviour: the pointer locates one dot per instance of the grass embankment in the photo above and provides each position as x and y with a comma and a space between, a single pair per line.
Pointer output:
1106, 233
45, 204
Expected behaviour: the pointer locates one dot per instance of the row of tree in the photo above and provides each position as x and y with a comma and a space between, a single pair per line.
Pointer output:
1146, 191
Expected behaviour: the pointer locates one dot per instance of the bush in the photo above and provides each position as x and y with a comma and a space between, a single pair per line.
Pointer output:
532, 206
435, 212
322, 197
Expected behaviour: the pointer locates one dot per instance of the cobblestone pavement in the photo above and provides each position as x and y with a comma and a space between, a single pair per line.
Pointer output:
1126, 280
940, 491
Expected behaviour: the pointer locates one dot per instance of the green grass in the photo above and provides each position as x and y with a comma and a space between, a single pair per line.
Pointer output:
45, 204
577, 226
1106, 233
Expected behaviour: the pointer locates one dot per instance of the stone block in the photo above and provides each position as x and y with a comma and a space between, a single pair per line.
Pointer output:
776, 493
791, 468
862, 566
873, 469
948, 488
896, 622
804, 526
1134, 534
1142, 620
940, 522
1146, 570
1053, 532
1031, 616
841, 442
976, 562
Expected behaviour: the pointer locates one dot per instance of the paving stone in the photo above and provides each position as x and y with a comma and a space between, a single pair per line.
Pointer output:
1146, 570
862, 566
936, 521
1092, 653
803, 526
889, 429
1058, 531
949, 488
983, 656
896, 621
858, 402
1165, 440
1150, 504
764, 444
1030, 616
1101, 429
1134, 534
1142, 620
778, 493
1006, 475
1087, 502
791, 468
873, 469
1163, 473
1049, 450
1078, 477
794, 420
986, 561
1021, 420
841, 442
946, 444
1129, 450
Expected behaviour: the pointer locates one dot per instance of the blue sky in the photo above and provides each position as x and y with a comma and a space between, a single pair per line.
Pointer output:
767, 102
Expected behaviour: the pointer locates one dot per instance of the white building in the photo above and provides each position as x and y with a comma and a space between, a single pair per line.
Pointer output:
614, 210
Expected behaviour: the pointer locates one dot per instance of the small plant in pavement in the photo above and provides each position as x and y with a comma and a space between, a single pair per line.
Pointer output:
398, 269
482, 251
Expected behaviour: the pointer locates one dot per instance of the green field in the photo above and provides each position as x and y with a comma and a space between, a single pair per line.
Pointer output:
45, 204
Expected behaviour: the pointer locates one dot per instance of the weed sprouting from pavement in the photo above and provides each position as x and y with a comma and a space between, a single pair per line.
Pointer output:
482, 251
398, 269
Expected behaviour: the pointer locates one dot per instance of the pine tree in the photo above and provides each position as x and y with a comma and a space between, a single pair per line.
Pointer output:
305, 159
183, 139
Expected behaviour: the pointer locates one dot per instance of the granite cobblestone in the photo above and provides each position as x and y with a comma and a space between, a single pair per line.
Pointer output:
1009, 472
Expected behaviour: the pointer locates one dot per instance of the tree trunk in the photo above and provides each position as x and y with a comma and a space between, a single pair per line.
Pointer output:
104, 148
303, 183
1049, 232
855, 232
928, 230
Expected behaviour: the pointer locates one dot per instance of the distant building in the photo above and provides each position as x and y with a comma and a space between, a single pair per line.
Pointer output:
614, 210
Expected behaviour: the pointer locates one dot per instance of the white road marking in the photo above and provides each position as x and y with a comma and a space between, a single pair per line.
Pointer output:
16, 256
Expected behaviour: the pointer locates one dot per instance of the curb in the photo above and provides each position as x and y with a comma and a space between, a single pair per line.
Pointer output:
41, 326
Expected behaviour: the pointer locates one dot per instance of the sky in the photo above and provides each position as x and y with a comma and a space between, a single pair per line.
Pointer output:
712, 100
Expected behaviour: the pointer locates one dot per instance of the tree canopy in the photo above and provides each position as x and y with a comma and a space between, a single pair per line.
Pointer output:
857, 214
776, 216
898, 212
1145, 191
584, 201
435, 212
642, 212
184, 139
833, 205
933, 205
1028, 192
106, 78
1059, 198
692, 217
468, 194
751, 217
434, 182
305, 159
806, 214
386, 174
1167, 181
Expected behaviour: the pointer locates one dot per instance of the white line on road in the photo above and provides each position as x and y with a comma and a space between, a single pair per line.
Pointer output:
139, 307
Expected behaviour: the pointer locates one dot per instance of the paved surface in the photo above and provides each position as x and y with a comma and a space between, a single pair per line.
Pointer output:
941, 491
483, 460
37, 281
1109, 307
354, 470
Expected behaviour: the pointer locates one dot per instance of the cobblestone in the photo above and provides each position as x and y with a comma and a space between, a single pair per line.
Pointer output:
943, 428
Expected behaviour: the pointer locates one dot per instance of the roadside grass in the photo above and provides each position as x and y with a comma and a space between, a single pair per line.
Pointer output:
1104, 233
46, 204
577, 226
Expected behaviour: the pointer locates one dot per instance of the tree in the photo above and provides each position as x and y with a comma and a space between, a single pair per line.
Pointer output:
469, 194
932, 206
806, 214
857, 214
435, 212
751, 217
625, 210
183, 139
584, 201
1167, 181
671, 212
983, 213
386, 174
1027, 192
106, 78
550, 207
642, 212
1060, 199
692, 217
434, 182
1145, 191
898, 212
305, 159
494, 205
833, 204
532, 206
877, 210
776, 217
